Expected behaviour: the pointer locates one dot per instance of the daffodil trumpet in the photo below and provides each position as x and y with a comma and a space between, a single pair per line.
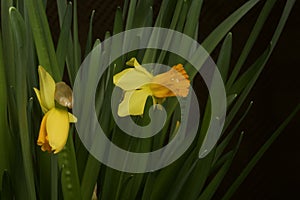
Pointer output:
138, 84
54, 99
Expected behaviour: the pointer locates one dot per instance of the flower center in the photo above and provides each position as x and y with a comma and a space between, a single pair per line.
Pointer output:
174, 82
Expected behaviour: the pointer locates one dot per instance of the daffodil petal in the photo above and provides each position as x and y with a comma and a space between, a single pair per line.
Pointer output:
131, 79
38, 95
43, 132
134, 63
72, 118
134, 102
119, 75
47, 88
57, 126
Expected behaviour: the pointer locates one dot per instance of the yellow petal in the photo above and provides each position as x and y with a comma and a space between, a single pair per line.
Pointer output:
47, 88
131, 79
119, 75
43, 139
38, 95
134, 102
57, 126
72, 118
134, 63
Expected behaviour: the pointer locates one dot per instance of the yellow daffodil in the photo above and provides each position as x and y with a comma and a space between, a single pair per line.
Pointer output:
54, 127
138, 84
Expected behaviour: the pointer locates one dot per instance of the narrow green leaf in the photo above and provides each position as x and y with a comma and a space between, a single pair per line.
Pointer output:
213, 185
192, 18
230, 99
182, 19
61, 7
245, 78
164, 178
174, 193
5, 142
7, 43
69, 175
260, 62
32, 62
194, 184
143, 14
224, 143
216, 36
90, 176
54, 177
19, 31
118, 23
92, 166
131, 13
7, 191
173, 24
44, 174
258, 156
251, 40
125, 7
223, 62
63, 40
161, 20
89, 41
77, 50
42, 37
165, 14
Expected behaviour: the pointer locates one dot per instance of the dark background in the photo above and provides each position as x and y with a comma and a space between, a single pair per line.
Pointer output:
275, 94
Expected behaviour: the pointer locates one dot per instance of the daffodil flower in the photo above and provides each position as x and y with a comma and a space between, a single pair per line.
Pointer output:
138, 84
54, 127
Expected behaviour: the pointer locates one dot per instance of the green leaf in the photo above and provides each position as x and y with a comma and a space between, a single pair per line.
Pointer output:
182, 19
251, 40
223, 62
192, 18
258, 156
90, 176
224, 143
7, 191
42, 37
258, 66
62, 7
131, 13
5, 141
118, 23
68, 167
173, 24
218, 33
213, 185
77, 50
230, 99
89, 42
18, 28
175, 191
216, 36
7, 42
143, 15
63, 40
195, 183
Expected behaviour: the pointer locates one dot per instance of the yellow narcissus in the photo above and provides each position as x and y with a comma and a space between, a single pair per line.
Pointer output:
54, 127
138, 84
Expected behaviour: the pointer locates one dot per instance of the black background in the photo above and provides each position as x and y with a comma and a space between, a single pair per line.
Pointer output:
275, 94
